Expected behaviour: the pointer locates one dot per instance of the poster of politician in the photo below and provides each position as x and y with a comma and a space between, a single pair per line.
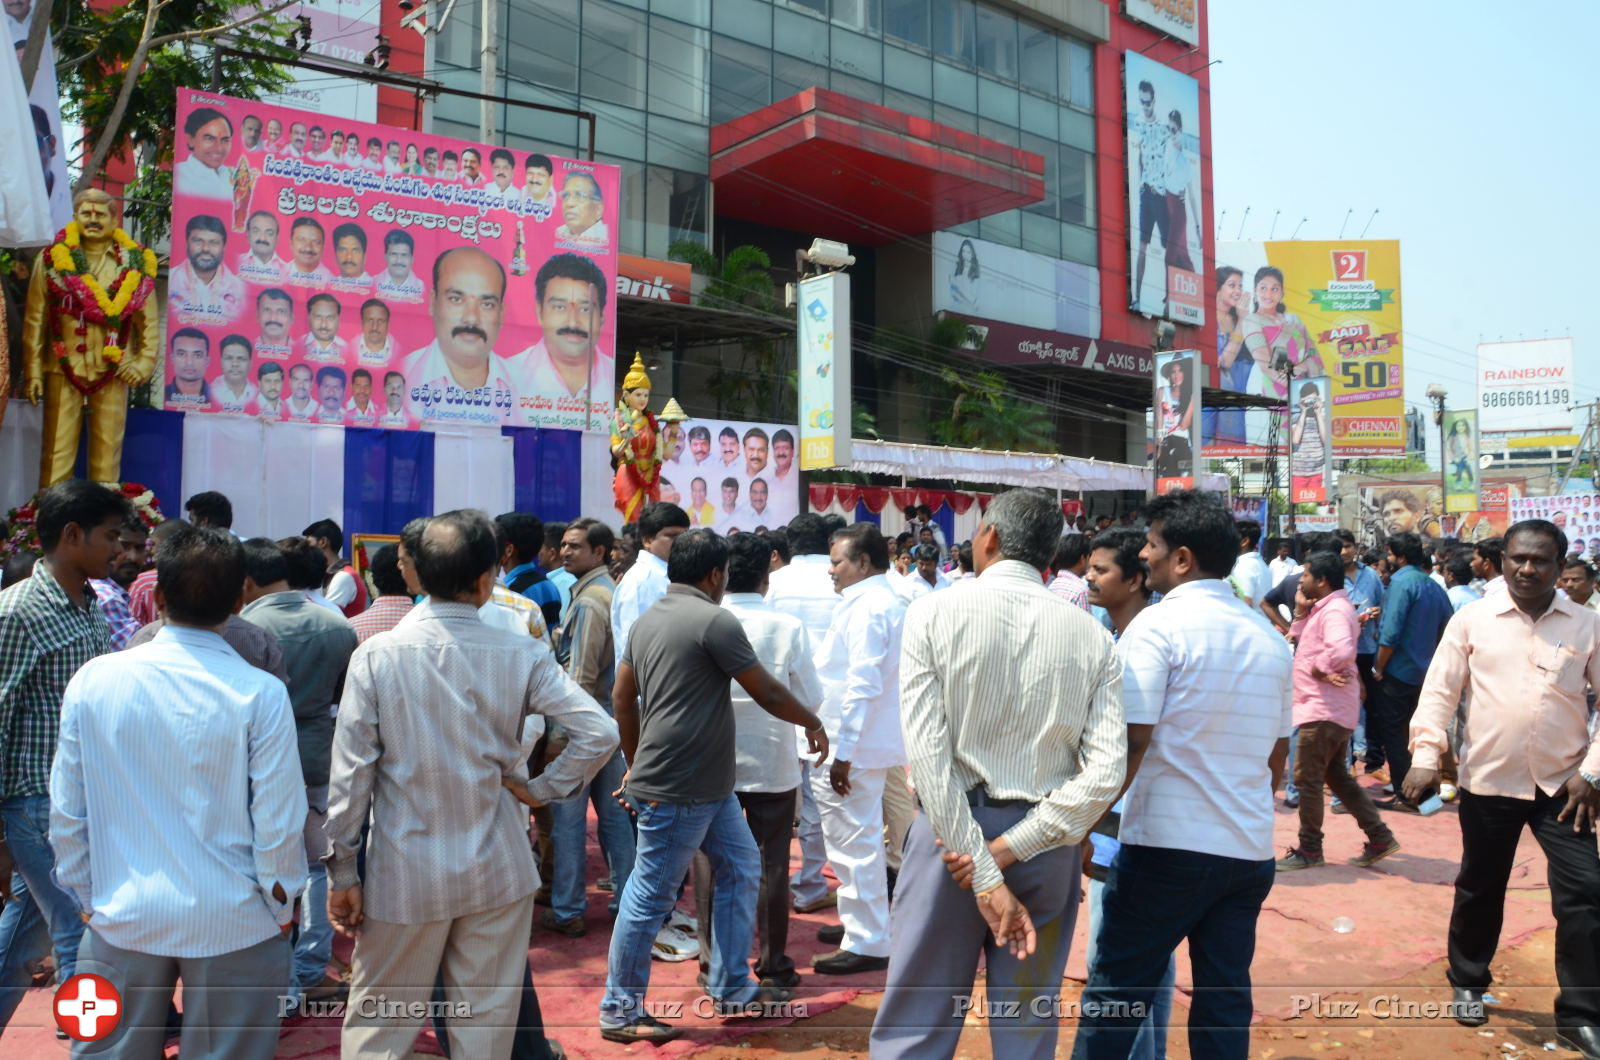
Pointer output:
334, 271
731, 475
1165, 246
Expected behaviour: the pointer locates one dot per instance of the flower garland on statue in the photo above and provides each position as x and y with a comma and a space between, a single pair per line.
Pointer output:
23, 520
79, 293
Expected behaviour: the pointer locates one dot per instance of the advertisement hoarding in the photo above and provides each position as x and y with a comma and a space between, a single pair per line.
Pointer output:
419, 282
1577, 515
823, 304
1291, 310
1014, 344
1525, 386
975, 278
1176, 18
340, 29
1165, 246
1461, 461
730, 475
1177, 422
1310, 437
1390, 507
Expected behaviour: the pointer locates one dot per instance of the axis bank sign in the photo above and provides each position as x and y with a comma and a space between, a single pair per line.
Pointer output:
650, 280
1013, 344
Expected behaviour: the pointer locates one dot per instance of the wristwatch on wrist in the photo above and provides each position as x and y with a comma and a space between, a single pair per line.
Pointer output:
1594, 781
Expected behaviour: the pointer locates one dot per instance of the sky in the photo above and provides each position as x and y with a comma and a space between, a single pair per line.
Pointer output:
1471, 127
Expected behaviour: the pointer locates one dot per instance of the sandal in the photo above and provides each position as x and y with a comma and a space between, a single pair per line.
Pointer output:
644, 1029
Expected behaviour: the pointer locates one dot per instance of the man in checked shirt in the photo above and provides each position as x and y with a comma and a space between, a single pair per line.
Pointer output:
50, 625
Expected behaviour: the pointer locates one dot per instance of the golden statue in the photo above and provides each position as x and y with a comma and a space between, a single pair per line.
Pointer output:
90, 333
640, 442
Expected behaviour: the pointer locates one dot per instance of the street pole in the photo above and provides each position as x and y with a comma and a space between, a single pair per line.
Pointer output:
488, 52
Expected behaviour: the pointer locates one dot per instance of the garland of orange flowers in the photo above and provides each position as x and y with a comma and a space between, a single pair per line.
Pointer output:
79, 294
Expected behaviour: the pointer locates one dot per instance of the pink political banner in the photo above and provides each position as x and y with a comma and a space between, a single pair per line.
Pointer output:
335, 271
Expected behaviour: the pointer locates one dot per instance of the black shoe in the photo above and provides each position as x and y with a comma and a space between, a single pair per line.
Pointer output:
1398, 804
644, 1029
843, 962
832, 934
1292, 801
541, 897
572, 929
766, 999
1585, 1040
1466, 1006
788, 980
892, 877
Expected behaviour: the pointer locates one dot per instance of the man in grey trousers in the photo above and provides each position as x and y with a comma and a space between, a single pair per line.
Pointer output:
1011, 705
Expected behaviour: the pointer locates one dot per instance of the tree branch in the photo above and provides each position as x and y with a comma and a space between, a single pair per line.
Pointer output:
196, 34
38, 34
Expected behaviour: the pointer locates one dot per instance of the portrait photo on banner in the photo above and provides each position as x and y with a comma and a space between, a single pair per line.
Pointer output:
333, 271
732, 475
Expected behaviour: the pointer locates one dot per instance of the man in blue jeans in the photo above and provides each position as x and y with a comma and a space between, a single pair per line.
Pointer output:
1415, 614
674, 712
1207, 692
50, 625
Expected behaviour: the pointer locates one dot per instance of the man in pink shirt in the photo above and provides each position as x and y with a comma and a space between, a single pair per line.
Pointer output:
1327, 704
1527, 760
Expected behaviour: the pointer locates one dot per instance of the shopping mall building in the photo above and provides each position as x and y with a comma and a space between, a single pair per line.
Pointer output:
974, 157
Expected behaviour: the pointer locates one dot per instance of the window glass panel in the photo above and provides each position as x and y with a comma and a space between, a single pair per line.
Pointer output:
678, 144
540, 130
1042, 235
953, 28
864, 16
613, 53
541, 42
1079, 244
997, 43
1076, 184
857, 87
910, 73
794, 75
1046, 148
459, 40
954, 88
997, 102
1077, 73
998, 131
1003, 228
1039, 116
630, 232
802, 37
906, 20
618, 130
1077, 129
674, 209
956, 119
908, 102
1038, 70
678, 56
819, 6
749, 20
694, 12
857, 56
741, 78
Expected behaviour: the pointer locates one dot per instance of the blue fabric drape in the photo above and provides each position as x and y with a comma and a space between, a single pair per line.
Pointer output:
864, 515
549, 473
388, 479
152, 455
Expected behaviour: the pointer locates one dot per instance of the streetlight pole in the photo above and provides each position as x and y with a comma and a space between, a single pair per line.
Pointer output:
1437, 394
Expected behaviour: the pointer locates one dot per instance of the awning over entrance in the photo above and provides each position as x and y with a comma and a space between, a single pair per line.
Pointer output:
827, 164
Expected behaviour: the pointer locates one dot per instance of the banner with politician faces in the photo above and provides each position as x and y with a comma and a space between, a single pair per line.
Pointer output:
335, 271
731, 475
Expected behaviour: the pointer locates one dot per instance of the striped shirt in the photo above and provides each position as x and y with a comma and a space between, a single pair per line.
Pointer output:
176, 800
1004, 684
44, 639
113, 600
1215, 680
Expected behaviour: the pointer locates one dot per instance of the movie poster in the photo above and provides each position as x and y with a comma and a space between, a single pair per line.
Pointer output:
1177, 422
333, 271
731, 475
1310, 443
1166, 247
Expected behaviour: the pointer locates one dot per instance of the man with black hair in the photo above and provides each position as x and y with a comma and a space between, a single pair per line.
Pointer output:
1528, 760
1577, 581
1207, 693
525, 539
450, 878
394, 599
1415, 614
1070, 561
1279, 601
1458, 580
50, 626
1008, 808
804, 589
924, 577
112, 591
1250, 578
1488, 558
307, 569
316, 643
202, 289
1327, 705
198, 891
858, 661
675, 714
567, 362
341, 586
209, 509
142, 593
766, 773
554, 568
646, 581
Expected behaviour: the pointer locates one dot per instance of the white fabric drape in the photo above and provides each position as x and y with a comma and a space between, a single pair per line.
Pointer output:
474, 469
281, 477
21, 436
595, 489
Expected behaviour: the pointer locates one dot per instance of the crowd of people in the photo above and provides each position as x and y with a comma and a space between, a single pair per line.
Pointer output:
215, 753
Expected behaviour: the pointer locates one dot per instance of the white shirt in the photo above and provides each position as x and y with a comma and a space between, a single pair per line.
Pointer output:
341, 589
176, 798
436, 395
1494, 586
914, 585
1437, 577
644, 584
255, 270
596, 234
1213, 677
535, 374
859, 663
1281, 568
194, 177
764, 758
227, 398
804, 589
1251, 576
407, 290
316, 597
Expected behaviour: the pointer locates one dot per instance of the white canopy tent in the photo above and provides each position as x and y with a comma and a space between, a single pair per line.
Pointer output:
1046, 471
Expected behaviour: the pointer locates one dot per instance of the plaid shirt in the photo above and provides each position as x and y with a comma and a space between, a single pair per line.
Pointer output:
142, 597
44, 639
114, 604
384, 614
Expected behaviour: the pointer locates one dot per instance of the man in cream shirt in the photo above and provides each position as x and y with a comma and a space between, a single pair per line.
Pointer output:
458, 377
570, 291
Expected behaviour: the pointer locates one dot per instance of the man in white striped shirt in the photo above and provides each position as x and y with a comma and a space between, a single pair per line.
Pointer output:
1208, 693
173, 886
1012, 711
